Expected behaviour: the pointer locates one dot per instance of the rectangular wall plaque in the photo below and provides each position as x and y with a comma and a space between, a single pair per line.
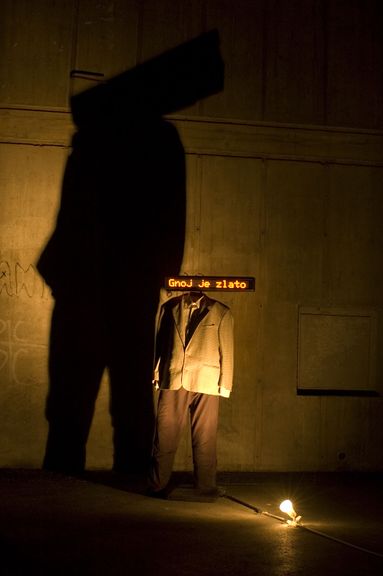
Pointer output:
336, 351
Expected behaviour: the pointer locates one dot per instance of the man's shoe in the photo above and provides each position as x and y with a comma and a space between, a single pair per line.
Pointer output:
160, 494
214, 492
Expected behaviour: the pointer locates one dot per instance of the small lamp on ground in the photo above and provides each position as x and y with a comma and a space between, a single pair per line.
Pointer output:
287, 507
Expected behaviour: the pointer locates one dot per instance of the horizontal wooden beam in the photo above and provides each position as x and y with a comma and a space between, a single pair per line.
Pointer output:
218, 137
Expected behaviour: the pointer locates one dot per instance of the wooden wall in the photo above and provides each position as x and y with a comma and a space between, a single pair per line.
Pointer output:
284, 174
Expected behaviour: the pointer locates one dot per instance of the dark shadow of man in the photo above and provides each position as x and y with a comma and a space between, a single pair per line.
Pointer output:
120, 230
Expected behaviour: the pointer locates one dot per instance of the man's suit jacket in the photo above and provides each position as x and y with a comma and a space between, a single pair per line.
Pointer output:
202, 364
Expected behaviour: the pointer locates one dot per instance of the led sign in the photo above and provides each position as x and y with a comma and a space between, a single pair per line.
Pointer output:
209, 283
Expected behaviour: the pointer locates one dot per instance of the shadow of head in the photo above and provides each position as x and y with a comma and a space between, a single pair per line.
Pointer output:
162, 85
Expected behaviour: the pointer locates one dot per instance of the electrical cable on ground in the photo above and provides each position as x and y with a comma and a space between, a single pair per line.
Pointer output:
298, 525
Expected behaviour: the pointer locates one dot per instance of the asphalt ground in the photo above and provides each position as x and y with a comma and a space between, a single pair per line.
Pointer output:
104, 524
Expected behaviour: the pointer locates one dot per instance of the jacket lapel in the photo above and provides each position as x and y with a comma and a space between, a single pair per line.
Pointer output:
197, 317
177, 317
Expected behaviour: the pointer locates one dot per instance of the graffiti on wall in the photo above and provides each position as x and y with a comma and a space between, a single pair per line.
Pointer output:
22, 353
16, 279
21, 358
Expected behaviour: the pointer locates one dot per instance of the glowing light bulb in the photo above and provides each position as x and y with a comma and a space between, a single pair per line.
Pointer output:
287, 507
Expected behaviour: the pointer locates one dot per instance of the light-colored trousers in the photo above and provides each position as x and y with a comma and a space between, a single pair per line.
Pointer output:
172, 411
